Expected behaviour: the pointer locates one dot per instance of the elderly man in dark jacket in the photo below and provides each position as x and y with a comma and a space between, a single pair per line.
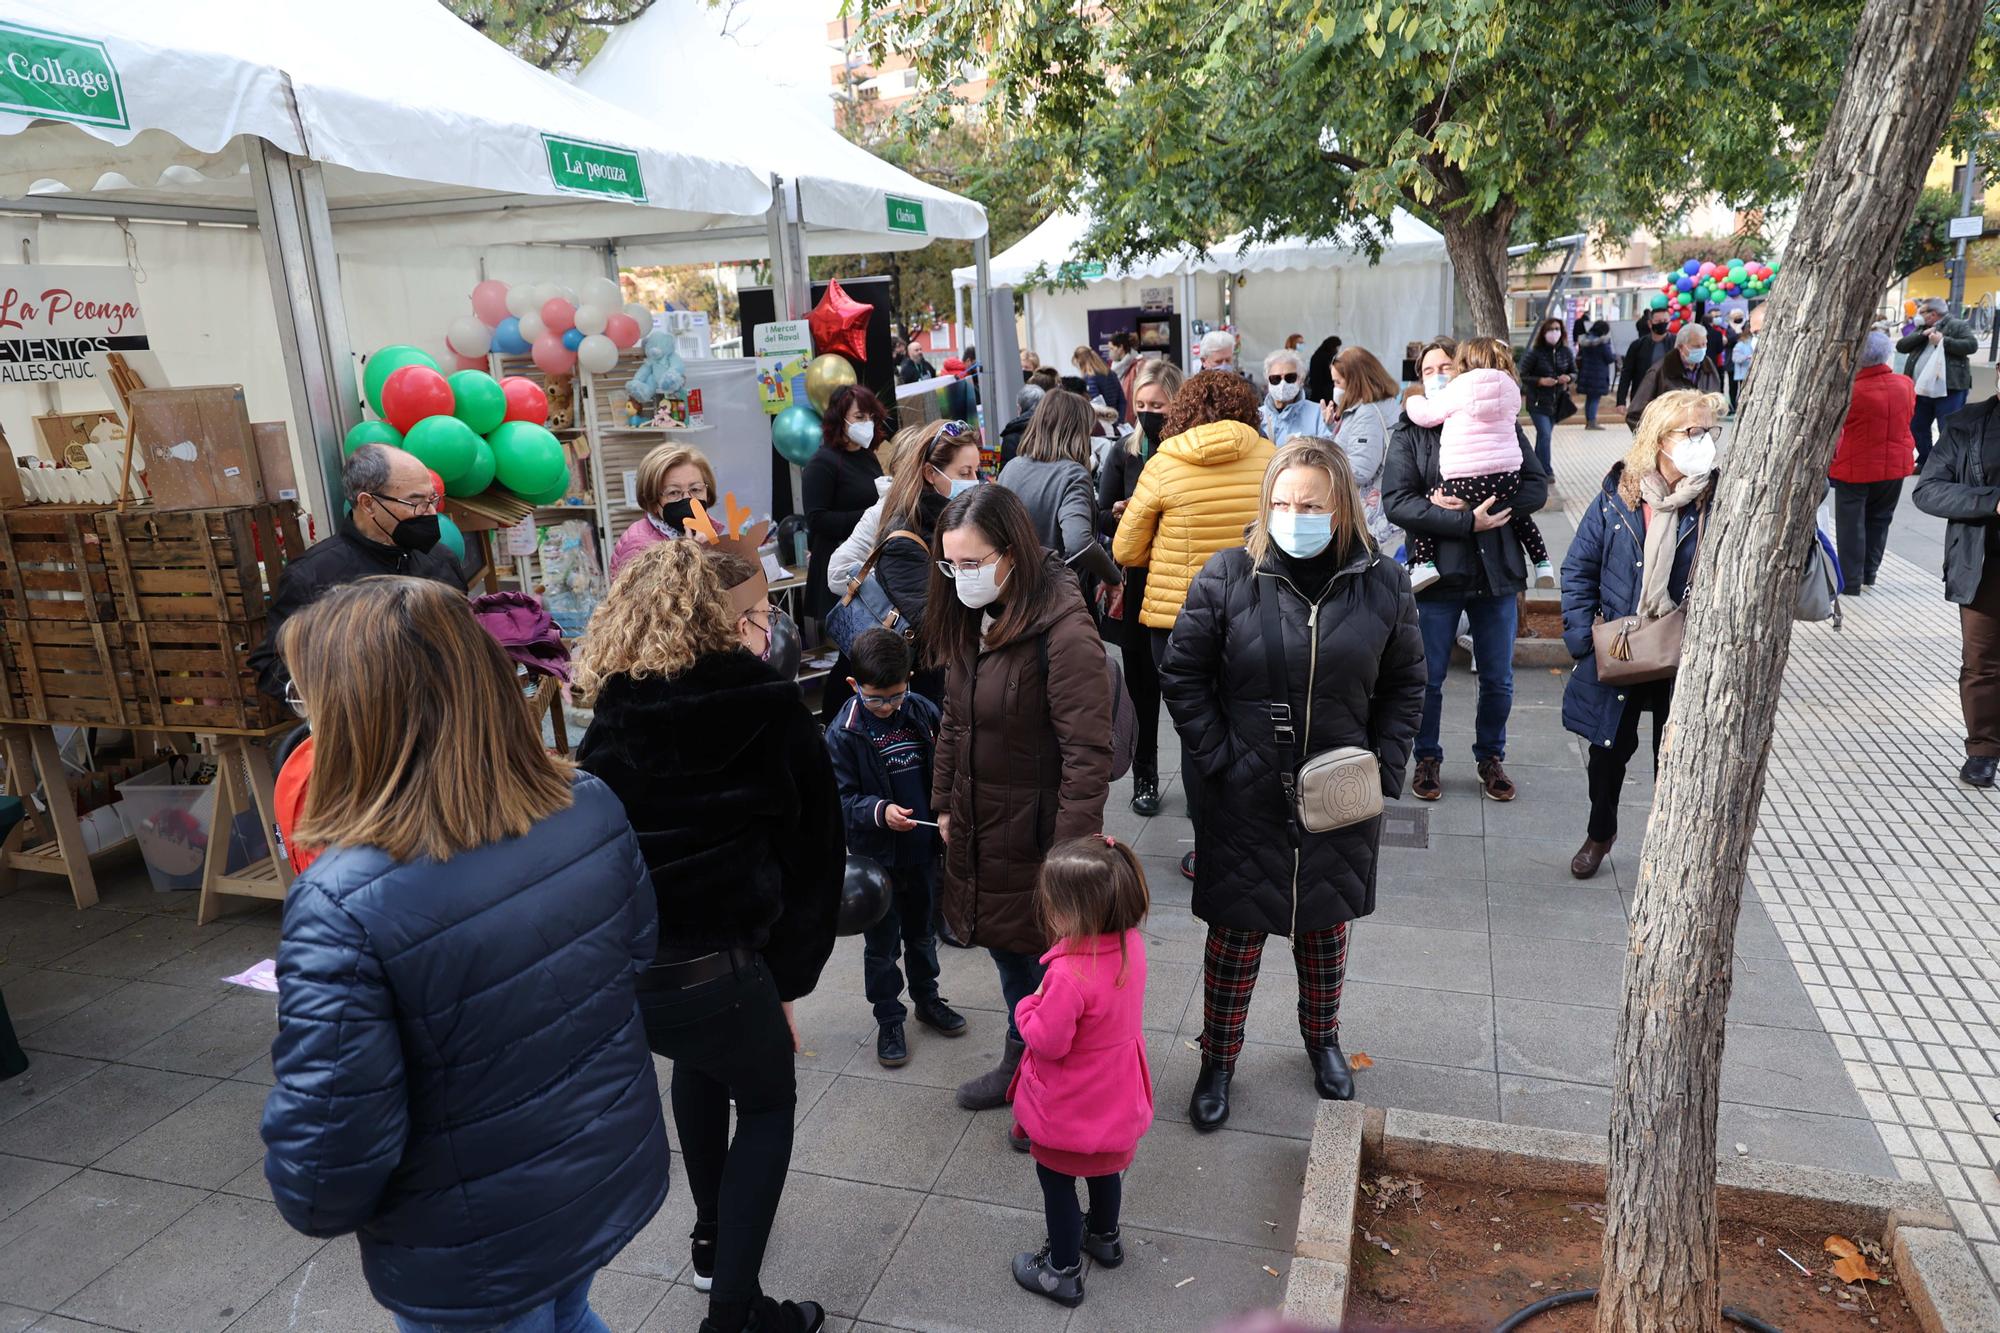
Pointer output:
1647, 350
392, 529
1961, 483
1482, 570
1956, 343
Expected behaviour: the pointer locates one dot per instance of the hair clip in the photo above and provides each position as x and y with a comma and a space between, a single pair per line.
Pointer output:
1110, 841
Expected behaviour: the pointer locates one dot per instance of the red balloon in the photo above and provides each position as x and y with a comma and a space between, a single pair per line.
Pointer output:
558, 315
623, 330
437, 485
525, 400
413, 393
1673, 326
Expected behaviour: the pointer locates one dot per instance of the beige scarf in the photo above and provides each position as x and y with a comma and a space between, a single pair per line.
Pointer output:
1663, 535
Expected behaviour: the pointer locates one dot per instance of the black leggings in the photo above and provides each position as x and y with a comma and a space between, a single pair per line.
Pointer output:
728, 1040
1608, 762
1142, 678
1065, 1217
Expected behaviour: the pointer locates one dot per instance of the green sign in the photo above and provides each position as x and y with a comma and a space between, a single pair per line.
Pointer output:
1088, 271
906, 215
58, 77
582, 167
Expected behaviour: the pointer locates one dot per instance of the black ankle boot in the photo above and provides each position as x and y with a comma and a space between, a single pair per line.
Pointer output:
1209, 1106
1330, 1073
1145, 797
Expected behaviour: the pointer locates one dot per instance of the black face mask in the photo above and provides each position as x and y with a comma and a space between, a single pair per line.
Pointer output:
416, 534
1659, 330
1152, 423
675, 514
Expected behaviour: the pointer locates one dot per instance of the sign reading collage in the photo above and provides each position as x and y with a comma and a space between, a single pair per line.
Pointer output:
58, 77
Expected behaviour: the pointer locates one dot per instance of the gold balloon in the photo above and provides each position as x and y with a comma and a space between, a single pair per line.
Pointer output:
825, 376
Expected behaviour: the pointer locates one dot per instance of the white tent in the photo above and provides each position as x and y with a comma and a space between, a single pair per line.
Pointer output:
1279, 288
849, 200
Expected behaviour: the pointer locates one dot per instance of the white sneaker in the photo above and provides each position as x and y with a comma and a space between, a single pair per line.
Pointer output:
1423, 576
1545, 574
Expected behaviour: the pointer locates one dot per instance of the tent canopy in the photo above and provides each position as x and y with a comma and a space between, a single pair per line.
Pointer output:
413, 115
1055, 242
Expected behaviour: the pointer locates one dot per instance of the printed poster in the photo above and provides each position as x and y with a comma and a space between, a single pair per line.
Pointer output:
57, 322
783, 348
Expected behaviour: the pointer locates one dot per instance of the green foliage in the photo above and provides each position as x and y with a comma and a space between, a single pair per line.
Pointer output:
1925, 241
1178, 124
549, 34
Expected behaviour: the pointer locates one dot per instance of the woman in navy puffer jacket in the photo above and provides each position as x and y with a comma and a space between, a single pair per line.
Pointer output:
462, 1074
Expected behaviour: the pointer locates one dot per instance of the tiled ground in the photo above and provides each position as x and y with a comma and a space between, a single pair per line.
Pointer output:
1876, 866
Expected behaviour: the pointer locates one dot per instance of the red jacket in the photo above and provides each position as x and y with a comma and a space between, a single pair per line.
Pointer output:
1876, 444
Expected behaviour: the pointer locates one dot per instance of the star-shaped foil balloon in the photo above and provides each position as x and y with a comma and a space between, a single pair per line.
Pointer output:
840, 324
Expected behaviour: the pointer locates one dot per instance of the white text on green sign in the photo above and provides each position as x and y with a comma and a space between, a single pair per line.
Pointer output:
583, 167
59, 77
906, 215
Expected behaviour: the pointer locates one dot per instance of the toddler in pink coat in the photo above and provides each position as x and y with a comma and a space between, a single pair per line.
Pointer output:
1083, 1093
1479, 458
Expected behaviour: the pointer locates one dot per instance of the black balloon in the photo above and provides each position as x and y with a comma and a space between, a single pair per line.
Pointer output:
864, 895
786, 647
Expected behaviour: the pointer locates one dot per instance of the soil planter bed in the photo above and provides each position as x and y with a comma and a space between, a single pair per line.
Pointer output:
1414, 1221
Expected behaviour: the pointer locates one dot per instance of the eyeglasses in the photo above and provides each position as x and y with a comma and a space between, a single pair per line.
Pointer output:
884, 703
425, 504
293, 699
965, 569
761, 616
1696, 434
1291, 377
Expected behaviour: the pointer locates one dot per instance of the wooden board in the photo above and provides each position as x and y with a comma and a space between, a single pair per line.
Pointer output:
52, 565
199, 564
182, 675
71, 671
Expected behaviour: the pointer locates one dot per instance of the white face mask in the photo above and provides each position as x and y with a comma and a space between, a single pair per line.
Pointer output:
1552, 337
1434, 385
1282, 393
980, 589
1339, 393
862, 433
1695, 455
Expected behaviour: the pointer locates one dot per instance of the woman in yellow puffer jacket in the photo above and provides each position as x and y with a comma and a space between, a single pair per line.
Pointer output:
1197, 495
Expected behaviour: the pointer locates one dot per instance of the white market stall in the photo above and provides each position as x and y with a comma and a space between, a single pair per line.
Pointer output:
1280, 288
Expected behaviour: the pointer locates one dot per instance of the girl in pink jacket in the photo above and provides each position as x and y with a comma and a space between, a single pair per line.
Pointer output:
1083, 1093
1479, 456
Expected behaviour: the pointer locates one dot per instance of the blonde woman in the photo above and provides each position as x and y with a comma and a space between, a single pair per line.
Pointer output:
1352, 661
724, 777
1154, 384
461, 1073
1099, 380
1633, 553
671, 478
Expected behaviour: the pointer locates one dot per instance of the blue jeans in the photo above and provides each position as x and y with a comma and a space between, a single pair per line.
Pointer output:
1494, 621
569, 1312
1020, 974
904, 931
1932, 411
1590, 402
1545, 434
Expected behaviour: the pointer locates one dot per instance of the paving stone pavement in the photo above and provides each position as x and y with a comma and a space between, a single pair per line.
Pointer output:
132, 1195
1875, 865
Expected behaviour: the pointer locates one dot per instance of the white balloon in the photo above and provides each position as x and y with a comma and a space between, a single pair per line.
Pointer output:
640, 311
590, 318
469, 337
532, 327
522, 301
569, 294
604, 293
597, 354
546, 292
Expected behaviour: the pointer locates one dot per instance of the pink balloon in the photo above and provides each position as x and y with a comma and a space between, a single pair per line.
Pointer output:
1707, 270
558, 315
551, 355
468, 362
623, 330
489, 302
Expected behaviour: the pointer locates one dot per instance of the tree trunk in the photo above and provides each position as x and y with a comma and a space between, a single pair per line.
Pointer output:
1477, 244
1660, 1257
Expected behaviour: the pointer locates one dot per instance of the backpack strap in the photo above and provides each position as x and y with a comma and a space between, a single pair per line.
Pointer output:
868, 565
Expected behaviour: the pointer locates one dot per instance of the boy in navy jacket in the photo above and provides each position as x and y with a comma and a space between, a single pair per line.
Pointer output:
883, 741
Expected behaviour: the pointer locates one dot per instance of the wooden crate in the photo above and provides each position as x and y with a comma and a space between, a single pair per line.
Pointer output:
194, 675
77, 671
52, 565
199, 564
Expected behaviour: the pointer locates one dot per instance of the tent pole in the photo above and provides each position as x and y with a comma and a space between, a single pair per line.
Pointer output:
982, 322
1187, 317
781, 270
304, 273
957, 316
795, 224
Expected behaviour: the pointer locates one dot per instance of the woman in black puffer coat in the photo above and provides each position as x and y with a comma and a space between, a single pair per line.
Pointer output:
1354, 668
1548, 372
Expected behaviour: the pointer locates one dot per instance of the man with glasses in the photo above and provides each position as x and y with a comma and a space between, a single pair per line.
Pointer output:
391, 528
1285, 411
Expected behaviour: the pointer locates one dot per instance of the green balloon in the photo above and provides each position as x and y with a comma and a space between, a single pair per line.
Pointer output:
445, 445
527, 459
475, 478
556, 494
1773, 266
370, 432
478, 400
386, 362
450, 537
795, 432
1659, 302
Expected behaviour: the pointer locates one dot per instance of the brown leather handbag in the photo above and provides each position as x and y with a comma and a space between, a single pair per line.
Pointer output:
1632, 650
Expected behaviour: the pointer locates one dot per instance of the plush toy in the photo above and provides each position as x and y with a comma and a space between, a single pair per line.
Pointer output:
663, 375
561, 390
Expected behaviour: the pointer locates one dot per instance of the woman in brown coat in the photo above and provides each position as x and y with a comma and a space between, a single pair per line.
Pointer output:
1024, 751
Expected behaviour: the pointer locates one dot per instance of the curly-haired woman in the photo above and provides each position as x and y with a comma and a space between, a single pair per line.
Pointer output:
725, 779
1197, 495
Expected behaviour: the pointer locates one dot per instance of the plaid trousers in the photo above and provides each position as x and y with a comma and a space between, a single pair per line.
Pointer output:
1229, 975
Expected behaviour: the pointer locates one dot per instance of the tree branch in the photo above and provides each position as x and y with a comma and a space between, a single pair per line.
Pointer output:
1348, 160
